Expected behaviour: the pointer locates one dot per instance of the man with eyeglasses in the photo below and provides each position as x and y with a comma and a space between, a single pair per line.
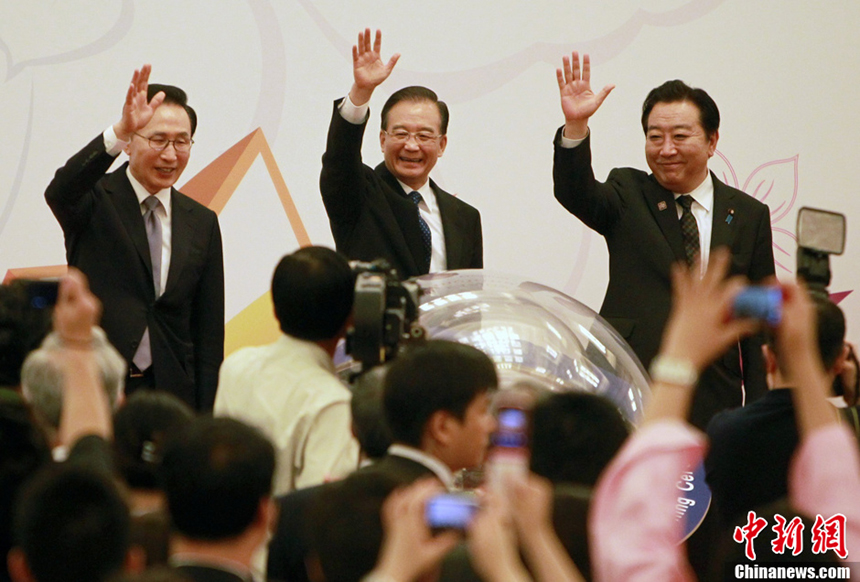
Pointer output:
152, 255
394, 211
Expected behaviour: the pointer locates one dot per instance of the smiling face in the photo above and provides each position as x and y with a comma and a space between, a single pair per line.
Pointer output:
153, 169
677, 147
408, 161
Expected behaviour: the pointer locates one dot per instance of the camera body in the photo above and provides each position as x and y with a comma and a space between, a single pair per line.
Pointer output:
385, 314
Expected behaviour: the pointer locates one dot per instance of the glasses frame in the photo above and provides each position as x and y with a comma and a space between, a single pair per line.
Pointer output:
410, 135
169, 143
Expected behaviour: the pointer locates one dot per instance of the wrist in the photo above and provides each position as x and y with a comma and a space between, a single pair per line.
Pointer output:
120, 133
360, 95
673, 370
575, 129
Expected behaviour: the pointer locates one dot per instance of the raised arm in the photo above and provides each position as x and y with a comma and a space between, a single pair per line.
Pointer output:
578, 101
85, 404
137, 109
368, 70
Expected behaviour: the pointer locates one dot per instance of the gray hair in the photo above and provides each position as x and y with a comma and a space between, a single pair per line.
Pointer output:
42, 380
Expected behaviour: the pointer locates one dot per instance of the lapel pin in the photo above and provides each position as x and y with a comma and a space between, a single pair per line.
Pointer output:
730, 216
661, 205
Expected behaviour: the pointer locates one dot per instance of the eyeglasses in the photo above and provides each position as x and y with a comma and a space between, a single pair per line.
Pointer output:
402, 136
159, 143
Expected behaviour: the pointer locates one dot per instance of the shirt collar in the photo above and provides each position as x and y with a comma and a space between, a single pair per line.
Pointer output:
703, 194
439, 468
142, 193
314, 352
427, 193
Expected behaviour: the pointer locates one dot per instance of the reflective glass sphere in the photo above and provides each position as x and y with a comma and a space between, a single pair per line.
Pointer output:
534, 334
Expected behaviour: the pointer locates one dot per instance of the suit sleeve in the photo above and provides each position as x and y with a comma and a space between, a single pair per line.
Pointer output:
70, 194
342, 180
478, 250
207, 322
596, 204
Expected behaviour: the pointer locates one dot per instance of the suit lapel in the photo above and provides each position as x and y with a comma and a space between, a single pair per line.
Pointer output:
723, 226
661, 204
451, 227
128, 209
181, 235
405, 234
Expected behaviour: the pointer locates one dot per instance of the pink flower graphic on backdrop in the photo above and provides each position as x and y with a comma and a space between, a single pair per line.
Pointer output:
775, 184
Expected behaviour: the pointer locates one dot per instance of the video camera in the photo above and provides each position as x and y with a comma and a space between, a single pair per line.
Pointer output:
385, 314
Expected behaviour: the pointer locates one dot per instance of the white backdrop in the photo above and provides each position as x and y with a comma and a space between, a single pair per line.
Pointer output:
784, 74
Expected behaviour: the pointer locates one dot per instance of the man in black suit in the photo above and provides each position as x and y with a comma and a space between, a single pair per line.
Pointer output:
436, 398
217, 476
394, 211
641, 217
167, 322
751, 448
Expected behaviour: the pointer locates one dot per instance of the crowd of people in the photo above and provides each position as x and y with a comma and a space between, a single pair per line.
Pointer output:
130, 449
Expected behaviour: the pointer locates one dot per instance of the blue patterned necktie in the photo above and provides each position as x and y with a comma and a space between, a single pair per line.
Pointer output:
426, 237
689, 230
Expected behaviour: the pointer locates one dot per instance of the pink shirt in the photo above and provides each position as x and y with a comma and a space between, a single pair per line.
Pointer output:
632, 525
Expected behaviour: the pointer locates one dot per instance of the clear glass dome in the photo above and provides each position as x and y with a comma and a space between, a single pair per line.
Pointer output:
534, 333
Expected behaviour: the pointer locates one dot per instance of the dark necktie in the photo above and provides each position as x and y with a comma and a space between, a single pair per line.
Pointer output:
143, 356
689, 230
426, 237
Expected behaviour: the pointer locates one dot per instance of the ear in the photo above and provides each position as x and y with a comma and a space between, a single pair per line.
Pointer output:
382, 137
19, 571
712, 143
841, 359
443, 143
770, 363
439, 427
267, 513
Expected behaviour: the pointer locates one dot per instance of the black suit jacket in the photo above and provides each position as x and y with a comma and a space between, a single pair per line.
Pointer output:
371, 217
106, 239
291, 544
639, 221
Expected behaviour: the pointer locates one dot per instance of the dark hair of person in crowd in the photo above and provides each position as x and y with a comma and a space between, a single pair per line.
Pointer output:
313, 291
23, 450
574, 436
215, 473
140, 428
72, 523
436, 375
368, 417
831, 330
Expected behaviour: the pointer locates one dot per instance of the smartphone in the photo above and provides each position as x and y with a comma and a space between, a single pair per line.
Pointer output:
513, 428
762, 302
42, 293
450, 510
